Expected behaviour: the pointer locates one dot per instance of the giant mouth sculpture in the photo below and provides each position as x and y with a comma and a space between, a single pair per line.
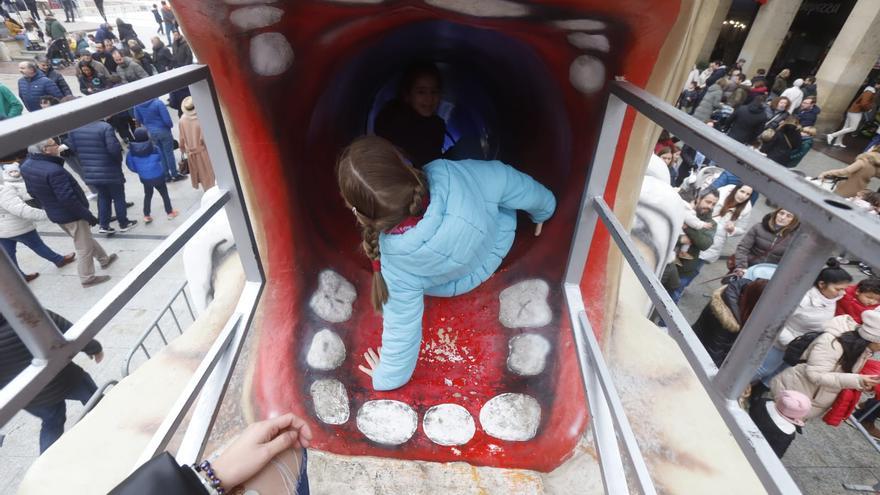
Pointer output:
497, 382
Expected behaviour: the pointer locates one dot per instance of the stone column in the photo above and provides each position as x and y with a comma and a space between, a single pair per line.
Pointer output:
714, 30
767, 32
848, 62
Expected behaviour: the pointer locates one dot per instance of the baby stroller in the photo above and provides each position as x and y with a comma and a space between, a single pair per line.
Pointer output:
59, 53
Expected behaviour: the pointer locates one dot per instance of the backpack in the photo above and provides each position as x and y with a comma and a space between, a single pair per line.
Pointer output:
795, 350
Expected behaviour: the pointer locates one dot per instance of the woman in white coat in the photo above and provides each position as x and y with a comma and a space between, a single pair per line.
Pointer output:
17, 225
731, 214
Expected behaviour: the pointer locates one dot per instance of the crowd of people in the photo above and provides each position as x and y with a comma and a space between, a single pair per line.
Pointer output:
821, 361
39, 182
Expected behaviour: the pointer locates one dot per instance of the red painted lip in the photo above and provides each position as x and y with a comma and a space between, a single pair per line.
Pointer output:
289, 128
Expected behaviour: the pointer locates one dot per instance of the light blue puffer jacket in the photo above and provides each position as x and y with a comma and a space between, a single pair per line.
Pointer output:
465, 233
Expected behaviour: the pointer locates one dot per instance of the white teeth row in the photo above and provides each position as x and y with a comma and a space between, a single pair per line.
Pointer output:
247, 18
333, 299
524, 305
327, 351
584, 41
527, 354
483, 8
270, 53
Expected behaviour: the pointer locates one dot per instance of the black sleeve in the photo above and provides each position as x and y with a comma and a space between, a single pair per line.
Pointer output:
161, 475
64, 325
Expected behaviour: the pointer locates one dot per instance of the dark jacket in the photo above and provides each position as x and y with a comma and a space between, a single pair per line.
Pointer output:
161, 474
130, 71
780, 84
738, 96
808, 117
91, 85
711, 101
779, 440
100, 153
157, 15
59, 81
747, 122
798, 154
154, 116
104, 33
55, 189
144, 159
716, 75
763, 243
162, 57
14, 357
775, 118
55, 29
126, 31
701, 239
786, 140
182, 53
31, 90
106, 60
421, 138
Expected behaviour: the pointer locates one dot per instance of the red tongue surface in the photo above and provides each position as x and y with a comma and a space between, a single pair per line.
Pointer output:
288, 129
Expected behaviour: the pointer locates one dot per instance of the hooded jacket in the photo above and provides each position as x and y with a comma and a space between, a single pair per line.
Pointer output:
811, 315
786, 140
56, 190
711, 101
747, 122
16, 217
59, 81
145, 160
163, 58
849, 305
9, 104
104, 33
31, 89
100, 153
763, 243
55, 29
858, 174
721, 320
465, 233
822, 377
154, 116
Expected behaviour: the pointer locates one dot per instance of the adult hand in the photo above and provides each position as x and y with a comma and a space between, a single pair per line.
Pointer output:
258, 444
739, 272
93, 221
869, 381
538, 229
97, 357
372, 358
730, 227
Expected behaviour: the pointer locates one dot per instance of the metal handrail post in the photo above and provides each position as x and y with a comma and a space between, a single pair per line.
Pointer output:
797, 272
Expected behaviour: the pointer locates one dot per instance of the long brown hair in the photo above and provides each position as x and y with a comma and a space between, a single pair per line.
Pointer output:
788, 229
731, 205
382, 190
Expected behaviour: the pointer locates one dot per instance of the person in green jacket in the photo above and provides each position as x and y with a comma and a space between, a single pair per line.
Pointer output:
685, 269
9, 104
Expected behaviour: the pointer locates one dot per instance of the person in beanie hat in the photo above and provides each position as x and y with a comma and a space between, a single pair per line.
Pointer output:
833, 362
145, 160
781, 419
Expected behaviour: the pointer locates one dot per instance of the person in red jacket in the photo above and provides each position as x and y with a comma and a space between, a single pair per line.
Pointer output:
859, 298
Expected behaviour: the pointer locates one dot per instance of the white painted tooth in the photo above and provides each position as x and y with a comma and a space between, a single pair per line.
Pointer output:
449, 424
333, 299
584, 41
528, 354
483, 8
256, 17
581, 25
331, 401
587, 74
270, 54
511, 417
388, 422
524, 305
327, 351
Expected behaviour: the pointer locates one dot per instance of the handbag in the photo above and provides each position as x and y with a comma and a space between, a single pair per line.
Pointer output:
184, 166
175, 144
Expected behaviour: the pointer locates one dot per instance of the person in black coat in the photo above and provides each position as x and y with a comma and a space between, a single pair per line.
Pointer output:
182, 54
748, 121
724, 316
786, 139
53, 75
71, 383
781, 419
162, 57
126, 32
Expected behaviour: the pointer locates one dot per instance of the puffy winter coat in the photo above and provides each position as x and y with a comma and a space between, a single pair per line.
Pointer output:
763, 243
55, 29
795, 96
163, 57
183, 55
786, 140
154, 116
811, 315
464, 235
145, 160
858, 174
56, 190
14, 357
849, 305
747, 122
16, 217
104, 33
721, 320
100, 153
822, 377
59, 81
9, 104
849, 398
712, 254
711, 101
863, 103
130, 71
30, 90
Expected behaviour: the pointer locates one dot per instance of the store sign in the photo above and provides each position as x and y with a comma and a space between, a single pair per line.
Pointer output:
820, 8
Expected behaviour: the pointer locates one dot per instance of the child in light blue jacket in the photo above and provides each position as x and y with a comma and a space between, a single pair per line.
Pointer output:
437, 232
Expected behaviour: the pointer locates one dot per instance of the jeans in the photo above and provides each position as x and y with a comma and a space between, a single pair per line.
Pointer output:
53, 416
163, 140
685, 281
772, 366
159, 185
68, 10
169, 27
108, 193
863, 414
32, 240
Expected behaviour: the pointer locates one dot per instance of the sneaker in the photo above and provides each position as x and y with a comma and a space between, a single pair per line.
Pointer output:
128, 204
148, 219
95, 280
110, 259
173, 214
178, 178
91, 196
66, 260
130, 225
30, 276
843, 261
107, 230
829, 139
866, 270
840, 145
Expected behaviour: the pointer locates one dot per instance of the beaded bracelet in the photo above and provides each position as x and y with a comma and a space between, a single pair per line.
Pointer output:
205, 467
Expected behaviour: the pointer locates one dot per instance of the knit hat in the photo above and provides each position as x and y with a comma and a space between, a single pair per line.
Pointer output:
871, 89
798, 82
793, 406
141, 134
870, 329
188, 106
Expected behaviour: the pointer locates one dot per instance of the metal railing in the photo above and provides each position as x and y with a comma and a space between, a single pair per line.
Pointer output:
156, 327
823, 217
51, 349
